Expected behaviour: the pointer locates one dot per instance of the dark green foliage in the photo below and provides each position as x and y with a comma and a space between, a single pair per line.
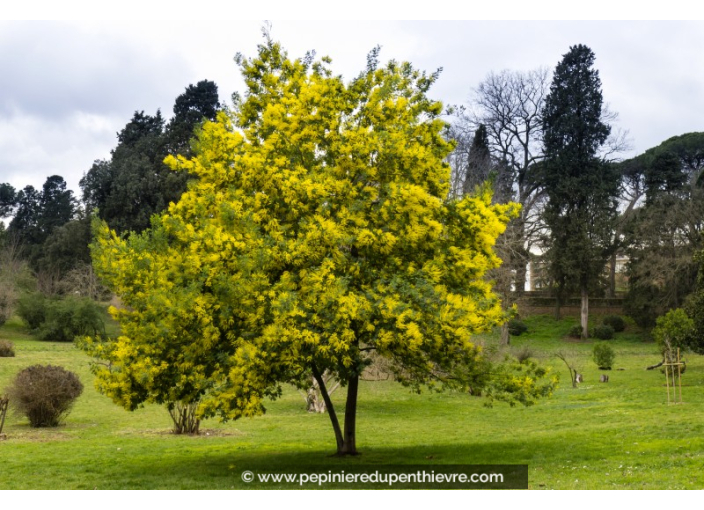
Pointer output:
135, 183
25, 223
642, 303
603, 355
68, 318
61, 320
32, 309
662, 236
7, 349
8, 199
66, 248
199, 102
517, 327
479, 163
44, 394
581, 189
575, 332
96, 185
56, 204
131, 187
695, 307
616, 322
38, 214
603, 332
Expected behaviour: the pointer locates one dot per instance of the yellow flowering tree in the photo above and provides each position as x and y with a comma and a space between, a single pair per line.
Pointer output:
316, 235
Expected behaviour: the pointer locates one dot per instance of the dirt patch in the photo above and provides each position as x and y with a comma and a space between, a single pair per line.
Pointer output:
204, 433
35, 436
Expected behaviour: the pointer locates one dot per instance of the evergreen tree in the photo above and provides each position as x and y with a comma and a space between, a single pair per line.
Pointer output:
199, 102
38, 214
135, 183
25, 223
479, 164
8, 198
662, 235
56, 204
581, 189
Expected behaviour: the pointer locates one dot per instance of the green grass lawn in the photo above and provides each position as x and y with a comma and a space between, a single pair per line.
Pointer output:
619, 435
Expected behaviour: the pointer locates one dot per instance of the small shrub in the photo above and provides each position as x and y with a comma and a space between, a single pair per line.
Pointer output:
44, 394
517, 327
603, 355
7, 349
32, 309
69, 318
603, 332
616, 322
524, 354
576, 331
674, 330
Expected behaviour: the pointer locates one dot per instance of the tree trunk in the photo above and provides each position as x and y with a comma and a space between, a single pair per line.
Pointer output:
521, 276
185, 419
585, 313
331, 410
349, 446
505, 337
612, 275
558, 305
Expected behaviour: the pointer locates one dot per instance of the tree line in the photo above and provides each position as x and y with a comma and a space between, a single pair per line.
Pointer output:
544, 140
549, 145
317, 226
51, 228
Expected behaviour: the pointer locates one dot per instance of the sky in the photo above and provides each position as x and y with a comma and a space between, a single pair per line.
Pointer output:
68, 87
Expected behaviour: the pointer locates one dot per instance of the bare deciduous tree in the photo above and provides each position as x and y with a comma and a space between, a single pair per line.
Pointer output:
509, 105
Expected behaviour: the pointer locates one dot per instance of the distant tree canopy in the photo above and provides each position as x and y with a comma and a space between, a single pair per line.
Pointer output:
135, 183
37, 213
663, 235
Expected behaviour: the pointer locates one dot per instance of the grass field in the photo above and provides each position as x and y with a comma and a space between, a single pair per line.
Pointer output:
619, 435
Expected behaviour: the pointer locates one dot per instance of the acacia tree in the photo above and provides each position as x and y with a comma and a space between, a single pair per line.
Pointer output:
581, 189
317, 234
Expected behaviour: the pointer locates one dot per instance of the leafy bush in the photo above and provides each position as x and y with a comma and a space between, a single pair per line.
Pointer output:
616, 322
575, 331
7, 349
44, 394
517, 327
32, 309
674, 330
603, 332
603, 355
69, 318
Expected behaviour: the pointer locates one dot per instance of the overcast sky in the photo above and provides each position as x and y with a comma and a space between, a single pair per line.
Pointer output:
67, 88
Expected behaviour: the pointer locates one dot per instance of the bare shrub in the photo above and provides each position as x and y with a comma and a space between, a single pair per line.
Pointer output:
524, 354
82, 281
44, 394
7, 349
8, 296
